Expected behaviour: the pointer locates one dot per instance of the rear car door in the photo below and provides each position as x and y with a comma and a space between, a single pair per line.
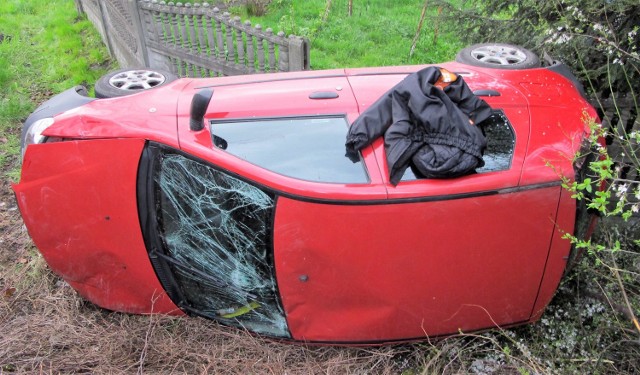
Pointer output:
437, 257
478, 244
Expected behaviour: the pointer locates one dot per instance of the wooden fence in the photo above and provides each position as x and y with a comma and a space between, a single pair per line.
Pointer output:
195, 40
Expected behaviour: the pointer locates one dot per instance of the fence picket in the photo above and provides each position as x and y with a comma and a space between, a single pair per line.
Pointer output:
284, 55
272, 52
231, 53
176, 41
260, 48
239, 40
250, 53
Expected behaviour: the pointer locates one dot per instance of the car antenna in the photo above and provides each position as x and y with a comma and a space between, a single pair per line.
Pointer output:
199, 105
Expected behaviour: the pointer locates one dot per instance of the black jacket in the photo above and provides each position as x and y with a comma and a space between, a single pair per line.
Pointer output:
425, 126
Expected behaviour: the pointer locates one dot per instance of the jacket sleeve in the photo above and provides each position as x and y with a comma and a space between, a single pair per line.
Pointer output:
370, 125
460, 94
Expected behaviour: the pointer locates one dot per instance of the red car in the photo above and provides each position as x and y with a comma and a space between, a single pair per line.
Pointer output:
231, 198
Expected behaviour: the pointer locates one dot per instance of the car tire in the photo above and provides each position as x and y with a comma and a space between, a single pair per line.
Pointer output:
130, 81
498, 56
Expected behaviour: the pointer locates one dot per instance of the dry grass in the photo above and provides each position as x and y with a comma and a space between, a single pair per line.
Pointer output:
47, 328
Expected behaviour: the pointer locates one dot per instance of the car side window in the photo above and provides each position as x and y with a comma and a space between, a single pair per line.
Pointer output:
216, 248
500, 145
306, 148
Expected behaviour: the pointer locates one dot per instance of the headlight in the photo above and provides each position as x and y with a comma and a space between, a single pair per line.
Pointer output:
34, 132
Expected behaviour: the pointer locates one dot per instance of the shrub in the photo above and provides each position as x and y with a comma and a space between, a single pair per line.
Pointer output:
257, 8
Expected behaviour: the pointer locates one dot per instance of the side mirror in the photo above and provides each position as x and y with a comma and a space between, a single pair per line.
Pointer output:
199, 105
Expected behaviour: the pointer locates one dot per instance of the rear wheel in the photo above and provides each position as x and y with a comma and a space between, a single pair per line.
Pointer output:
498, 55
130, 81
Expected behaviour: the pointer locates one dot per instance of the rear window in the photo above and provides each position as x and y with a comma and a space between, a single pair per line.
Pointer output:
308, 148
500, 146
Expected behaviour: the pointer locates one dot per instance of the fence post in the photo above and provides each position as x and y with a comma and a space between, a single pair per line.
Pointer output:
136, 19
297, 54
105, 29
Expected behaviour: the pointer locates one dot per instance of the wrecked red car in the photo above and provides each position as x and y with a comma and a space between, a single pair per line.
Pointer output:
232, 198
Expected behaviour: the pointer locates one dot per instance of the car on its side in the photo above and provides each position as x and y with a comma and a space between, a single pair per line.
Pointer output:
231, 198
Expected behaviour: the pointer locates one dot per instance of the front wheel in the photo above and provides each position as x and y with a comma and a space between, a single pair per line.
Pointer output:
130, 81
498, 55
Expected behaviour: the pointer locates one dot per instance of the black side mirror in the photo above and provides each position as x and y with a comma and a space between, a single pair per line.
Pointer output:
199, 105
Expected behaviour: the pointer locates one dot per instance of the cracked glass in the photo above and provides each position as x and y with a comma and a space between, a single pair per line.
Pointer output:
500, 143
216, 231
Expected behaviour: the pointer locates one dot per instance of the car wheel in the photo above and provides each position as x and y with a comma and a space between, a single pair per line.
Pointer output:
130, 81
498, 55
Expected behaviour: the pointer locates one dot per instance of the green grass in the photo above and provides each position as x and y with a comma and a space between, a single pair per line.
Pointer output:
378, 33
46, 49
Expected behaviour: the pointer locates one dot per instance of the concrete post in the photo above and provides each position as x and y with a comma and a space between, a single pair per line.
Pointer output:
137, 20
297, 53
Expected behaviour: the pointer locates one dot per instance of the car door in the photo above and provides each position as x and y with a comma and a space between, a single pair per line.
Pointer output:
437, 257
478, 244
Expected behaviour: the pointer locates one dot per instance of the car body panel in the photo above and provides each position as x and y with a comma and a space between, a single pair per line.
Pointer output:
560, 115
510, 101
558, 253
80, 197
147, 115
288, 98
407, 270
